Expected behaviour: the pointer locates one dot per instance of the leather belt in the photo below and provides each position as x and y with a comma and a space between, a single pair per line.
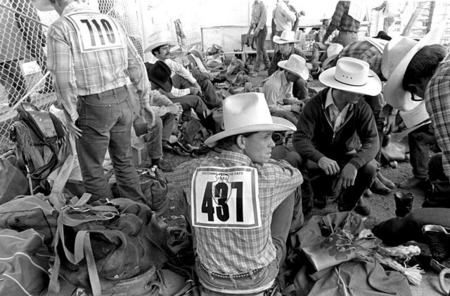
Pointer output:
107, 93
249, 274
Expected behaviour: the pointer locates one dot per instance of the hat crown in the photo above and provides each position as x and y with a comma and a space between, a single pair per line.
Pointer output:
334, 49
287, 35
393, 53
244, 110
352, 71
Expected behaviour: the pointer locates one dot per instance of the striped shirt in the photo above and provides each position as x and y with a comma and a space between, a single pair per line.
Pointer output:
77, 73
437, 101
234, 251
259, 14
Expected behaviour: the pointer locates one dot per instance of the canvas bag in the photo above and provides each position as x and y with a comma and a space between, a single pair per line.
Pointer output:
103, 244
12, 181
22, 271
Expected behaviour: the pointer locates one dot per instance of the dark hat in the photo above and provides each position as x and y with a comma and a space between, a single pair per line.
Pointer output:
383, 35
159, 74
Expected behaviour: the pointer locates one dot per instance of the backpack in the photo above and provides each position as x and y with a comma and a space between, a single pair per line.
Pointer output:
41, 143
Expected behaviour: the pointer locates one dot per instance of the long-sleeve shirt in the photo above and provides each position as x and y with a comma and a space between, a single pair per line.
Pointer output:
278, 56
284, 17
275, 90
179, 69
437, 102
85, 61
316, 137
341, 20
259, 15
230, 250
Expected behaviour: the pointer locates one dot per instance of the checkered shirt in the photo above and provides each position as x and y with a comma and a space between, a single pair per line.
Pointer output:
79, 74
366, 51
234, 251
259, 14
341, 20
437, 101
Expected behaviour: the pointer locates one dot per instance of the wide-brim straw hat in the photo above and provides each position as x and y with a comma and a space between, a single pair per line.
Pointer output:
246, 113
413, 119
43, 5
286, 37
397, 55
295, 64
158, 39
352, 75
159, 74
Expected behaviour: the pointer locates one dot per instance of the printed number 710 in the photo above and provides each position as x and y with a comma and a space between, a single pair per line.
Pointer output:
104, 28
221, 198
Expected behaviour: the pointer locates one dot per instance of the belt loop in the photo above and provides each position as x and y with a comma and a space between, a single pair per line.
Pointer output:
233, 281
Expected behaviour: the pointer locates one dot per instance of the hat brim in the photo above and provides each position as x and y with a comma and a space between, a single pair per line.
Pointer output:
371, 88
328, 60
402, 134
304, 73
158, 44
278, 40
279, 124
393, 90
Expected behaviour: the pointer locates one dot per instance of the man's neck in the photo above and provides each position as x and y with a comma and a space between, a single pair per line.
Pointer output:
338, 99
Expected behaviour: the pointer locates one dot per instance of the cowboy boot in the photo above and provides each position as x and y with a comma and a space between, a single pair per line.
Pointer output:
403, 203
386, 182
379, 188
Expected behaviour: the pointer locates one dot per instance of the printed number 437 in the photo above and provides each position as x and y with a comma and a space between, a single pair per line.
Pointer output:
221, 193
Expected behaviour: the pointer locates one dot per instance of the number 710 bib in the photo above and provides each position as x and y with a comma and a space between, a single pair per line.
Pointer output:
225, 198
96, 31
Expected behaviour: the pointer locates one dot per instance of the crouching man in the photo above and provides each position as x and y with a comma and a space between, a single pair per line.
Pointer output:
242, 202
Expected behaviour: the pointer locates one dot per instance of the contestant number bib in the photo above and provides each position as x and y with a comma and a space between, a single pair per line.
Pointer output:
225, 197
96, 31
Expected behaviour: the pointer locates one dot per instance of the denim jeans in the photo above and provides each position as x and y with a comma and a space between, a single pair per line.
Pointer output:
440, 183
419, 142
161, 131
105, 121
209, 93
398, 230
261, 53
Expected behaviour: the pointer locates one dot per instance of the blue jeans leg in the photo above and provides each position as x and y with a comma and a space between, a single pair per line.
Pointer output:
261, 54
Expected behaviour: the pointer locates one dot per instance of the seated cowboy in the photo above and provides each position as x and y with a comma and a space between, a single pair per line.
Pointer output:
337, 136
182, 78
241, 202
278, 88
285, 49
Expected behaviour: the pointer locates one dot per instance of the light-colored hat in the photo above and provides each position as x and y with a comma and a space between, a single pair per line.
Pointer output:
43, 5
332, 53
286, 37
352, 75
414, 119
158, 39
397, 55
246, 113
295, 64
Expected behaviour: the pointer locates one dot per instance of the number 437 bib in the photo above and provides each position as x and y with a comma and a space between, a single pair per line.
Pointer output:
225, 198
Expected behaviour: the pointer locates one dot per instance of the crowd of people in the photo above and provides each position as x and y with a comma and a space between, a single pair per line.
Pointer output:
245, 202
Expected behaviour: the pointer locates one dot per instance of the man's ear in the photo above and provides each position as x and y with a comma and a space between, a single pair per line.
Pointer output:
240, 142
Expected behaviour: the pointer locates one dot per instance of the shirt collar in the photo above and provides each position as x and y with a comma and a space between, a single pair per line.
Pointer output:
329, 101
75, 6
236, 157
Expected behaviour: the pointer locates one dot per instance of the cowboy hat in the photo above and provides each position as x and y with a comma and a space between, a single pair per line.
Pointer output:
159, 74
383, 35
43, 5
158, 39
286, 37
352, 75
295, 64
414, 119
333, 52
246, 113
397, 55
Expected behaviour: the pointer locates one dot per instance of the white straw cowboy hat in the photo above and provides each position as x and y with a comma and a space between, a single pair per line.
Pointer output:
352, 75
43, 5
295, 64
414, 119
333, 52
286, 37
246, 113
397, 55
158, 39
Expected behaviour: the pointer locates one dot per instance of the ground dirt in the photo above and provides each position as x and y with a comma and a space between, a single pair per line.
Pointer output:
382, 206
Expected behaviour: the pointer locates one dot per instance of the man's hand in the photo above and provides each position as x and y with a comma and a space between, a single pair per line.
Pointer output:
71, 127
329, 166
256, 33
167, 94
296, 108
194, 91
347, 177
174, 109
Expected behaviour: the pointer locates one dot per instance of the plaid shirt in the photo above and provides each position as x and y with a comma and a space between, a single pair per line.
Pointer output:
233, 251
437, 101
366, 51
341, 20
259, 15
78, 74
